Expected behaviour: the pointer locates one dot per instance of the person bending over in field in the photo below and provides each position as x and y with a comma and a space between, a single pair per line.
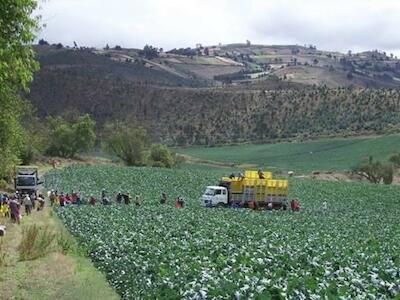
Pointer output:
118, 198
295, 205
180, 202
163, 199
137, 201
63, 200
127, 198
52, 197
92, 201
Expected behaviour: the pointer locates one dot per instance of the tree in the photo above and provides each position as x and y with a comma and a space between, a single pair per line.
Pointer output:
206, 51
34, 135
395, 160
125, 142
387, 173
374, 171
149, 52
17, 32
161, 156
66, 139
42, 42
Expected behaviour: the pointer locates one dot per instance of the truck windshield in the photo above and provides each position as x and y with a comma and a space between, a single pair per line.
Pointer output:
26, 181
209, 192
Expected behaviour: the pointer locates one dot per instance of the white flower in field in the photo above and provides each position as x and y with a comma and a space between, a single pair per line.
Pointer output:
265, 281
260, 289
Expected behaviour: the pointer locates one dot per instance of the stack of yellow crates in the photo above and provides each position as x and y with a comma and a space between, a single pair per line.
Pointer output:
263, 187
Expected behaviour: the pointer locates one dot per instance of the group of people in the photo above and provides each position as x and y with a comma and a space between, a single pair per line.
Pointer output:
120, 198
11, 205
126, 198
179, 201
62, 199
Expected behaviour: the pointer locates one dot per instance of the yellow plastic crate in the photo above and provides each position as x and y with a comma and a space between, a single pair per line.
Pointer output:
254, 174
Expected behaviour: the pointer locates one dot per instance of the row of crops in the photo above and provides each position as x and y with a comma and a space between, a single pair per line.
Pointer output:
351, 250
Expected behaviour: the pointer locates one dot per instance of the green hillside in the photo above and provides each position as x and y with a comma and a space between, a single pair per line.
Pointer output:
326, 154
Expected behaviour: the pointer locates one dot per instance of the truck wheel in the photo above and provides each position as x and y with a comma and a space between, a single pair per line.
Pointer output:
220, 205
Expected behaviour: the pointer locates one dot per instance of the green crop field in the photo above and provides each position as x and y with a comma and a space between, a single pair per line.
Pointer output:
323, 155
349, 251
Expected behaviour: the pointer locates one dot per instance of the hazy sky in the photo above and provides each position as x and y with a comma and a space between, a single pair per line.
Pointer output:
332, 25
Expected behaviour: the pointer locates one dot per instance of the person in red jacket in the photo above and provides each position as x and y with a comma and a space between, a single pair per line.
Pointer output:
295, 205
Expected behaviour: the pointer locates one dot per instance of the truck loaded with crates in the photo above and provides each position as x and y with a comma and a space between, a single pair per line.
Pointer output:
254, 189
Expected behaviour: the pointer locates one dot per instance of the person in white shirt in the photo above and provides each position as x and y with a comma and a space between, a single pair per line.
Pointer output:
28, 204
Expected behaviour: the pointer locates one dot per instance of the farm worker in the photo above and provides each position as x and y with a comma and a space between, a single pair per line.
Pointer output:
105, 201
118, 198
137, 201
62, 200
324, 206
73, 197
57, 199
127, 198
15, 207
241, 176
28, 204
68, 199
54, 163
33, 199
295, 205
52, 197
92, 201
163, 199
78, 198
270, 206
261, 174
103, 194
178, 203
181, 202
5, 209
41, 202
232, 176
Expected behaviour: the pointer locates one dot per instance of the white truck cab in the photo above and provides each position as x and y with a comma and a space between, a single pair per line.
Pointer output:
215, 196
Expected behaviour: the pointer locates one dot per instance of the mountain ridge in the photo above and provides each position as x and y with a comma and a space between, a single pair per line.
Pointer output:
191, 109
